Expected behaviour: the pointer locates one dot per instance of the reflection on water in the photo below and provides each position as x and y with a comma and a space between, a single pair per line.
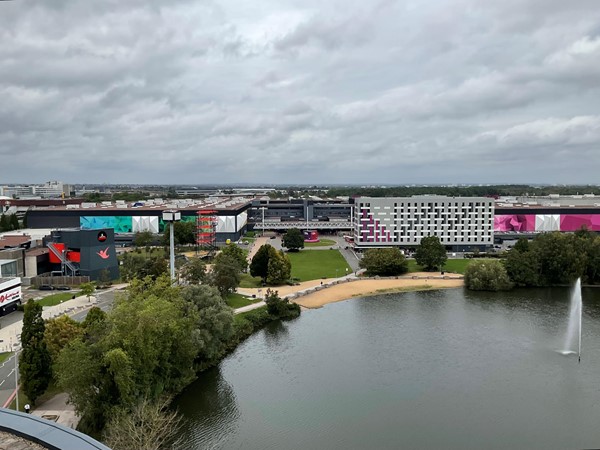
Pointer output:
433, 369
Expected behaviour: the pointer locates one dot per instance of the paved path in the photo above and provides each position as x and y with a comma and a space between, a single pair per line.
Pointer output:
10, 333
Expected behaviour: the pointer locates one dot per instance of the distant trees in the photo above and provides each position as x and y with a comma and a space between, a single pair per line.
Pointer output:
34, 363
293, 240
140, 266
183, 233
431, 254
555, 258
143, 239
487, 275
194, 271
384, 262
236, 253
9, 222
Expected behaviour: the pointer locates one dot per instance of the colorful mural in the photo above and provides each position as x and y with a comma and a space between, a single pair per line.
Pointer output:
546, 222
511, 222
121, 224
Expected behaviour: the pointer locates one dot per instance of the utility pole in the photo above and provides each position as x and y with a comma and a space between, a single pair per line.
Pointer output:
171, 217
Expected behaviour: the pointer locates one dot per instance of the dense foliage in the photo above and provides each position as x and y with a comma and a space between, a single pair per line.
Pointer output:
225, 274
194, 271
431, 254
140, 266
183, 233
555, 258
293, 239
384, 262
273, 266
279, 307
487, 275
237, 253
9, 222
34, 363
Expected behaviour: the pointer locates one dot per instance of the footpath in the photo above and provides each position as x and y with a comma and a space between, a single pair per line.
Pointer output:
57, 408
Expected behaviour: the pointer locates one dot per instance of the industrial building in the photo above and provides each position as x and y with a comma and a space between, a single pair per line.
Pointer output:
227, 217
461, 223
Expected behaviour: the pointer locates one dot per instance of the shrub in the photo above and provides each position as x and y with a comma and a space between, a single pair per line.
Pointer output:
486, 275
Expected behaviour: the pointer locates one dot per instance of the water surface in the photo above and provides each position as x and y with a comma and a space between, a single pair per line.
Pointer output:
435, 369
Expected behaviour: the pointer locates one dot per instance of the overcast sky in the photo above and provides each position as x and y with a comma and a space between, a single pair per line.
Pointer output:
300, 91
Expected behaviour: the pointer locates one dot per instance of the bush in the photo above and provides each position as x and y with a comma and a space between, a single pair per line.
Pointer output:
384, 262
486, 275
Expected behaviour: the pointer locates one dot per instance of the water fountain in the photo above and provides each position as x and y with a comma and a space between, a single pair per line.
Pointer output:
573, 340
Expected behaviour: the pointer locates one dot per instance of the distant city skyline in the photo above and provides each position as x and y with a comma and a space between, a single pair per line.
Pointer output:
311, 93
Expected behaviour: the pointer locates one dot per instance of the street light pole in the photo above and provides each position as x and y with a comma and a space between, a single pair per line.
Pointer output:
171, 217
17, 376
263, 221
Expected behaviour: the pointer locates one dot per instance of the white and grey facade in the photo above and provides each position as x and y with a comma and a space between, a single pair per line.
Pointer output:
459, 222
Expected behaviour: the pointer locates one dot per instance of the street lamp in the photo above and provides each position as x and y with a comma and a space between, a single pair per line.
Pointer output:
171, 217
17, 374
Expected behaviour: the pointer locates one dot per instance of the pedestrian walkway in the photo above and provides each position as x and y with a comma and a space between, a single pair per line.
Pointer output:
10, 335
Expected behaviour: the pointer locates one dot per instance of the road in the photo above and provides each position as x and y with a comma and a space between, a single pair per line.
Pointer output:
7, 369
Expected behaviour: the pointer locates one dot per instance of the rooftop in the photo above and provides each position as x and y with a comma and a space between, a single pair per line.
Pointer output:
216, 203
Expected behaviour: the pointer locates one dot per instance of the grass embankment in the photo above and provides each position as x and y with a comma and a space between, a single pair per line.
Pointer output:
55, 299
451, 266
321, 243
238, 300
4, 356
307, 265
248, 281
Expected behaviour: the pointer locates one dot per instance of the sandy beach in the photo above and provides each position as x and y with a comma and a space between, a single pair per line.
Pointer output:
360, 288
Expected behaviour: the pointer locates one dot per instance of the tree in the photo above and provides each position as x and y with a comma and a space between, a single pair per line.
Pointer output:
523, 267
104, 278
279, 268
225, 275
14, 222
522, 245
560, 258
194, 271
35, 362
146, 349
140, 266
293, 240
149, 425
384, 262
430, 254
487, 275
59, 332
87, 289
214, 322
143, 239
259, 266
238, 254
183, 233
280, 308
4, 223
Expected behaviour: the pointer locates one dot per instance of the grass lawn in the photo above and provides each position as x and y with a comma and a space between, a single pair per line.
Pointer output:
4, 356
55, 299
238, 300
247, 281
307, 265
452, 265
321, 243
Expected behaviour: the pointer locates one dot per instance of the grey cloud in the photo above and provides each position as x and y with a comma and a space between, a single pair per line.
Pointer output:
299, 92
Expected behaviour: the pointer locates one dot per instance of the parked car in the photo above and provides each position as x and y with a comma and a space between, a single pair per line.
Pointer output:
46, 287
62, 288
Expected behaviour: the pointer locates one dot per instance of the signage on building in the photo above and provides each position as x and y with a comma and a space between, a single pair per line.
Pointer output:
102, 236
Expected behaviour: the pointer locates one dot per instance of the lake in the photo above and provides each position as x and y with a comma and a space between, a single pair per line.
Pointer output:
434, 369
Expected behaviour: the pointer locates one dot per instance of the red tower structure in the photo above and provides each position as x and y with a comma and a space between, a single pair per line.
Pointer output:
206, 229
